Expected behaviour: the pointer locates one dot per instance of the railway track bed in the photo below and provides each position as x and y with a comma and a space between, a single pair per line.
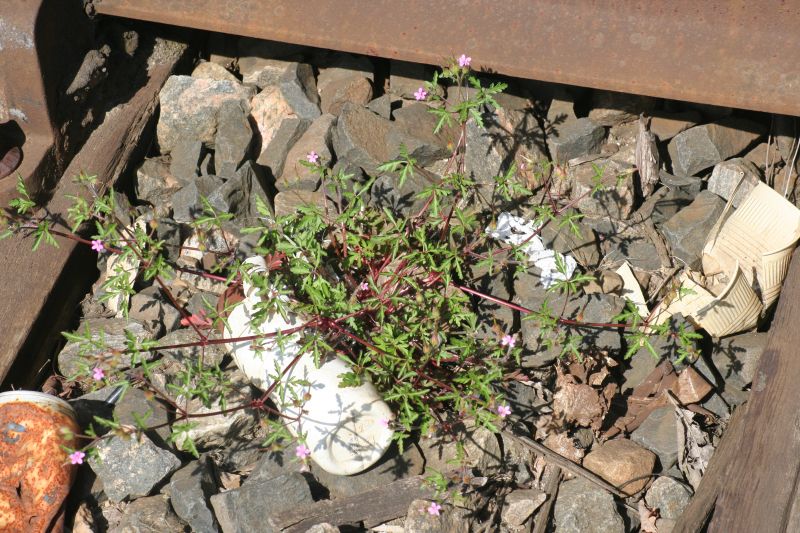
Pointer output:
593, 425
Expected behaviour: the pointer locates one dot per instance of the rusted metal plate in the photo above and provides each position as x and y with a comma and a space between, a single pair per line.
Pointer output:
724, 52
35, 474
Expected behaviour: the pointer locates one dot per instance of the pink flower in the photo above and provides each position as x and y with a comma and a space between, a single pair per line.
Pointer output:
503, 410
384, 423
76, 457
97, 246
464, 61
508, 340
364, 286
98, 373
434, 509
302, 451
421, 94
312, 157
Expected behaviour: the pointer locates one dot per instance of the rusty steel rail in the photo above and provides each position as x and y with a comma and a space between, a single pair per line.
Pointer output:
735, 53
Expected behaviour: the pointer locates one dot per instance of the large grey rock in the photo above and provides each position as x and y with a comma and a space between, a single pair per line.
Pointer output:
490, 314
450, 519
734, 178
413, 126
261, 72
154, 180
560, 111
701, 147
687, 231
345, 79
575, 138
234, 137
583, 247
274, 154
763, 156
287, 202
481, 451
404, 201
669, 496
360, 138
391, 468
190, 106
229, 197
189, 490
665, 126
581, 508
736, 357
623, 463
249, 507
541, 347
221, 430
511, 133
639, 251
269, 109
520, 505
485, 157
677, 193
79, 356
611, 108
237, 195
148, 515
154, 309
213, 71
541, 350
135, 407
187, 203
131, 467
317, 139
659, 434
185, 160
617, 198
299, 87
212, 354
381, 106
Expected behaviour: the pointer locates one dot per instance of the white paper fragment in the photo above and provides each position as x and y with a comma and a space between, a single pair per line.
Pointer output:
516, 230
129, 266
631, 290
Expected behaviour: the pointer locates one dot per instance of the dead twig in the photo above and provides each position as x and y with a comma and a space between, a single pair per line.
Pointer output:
552, 480
569, 466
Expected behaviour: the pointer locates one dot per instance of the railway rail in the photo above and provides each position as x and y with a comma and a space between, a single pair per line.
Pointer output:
725, 53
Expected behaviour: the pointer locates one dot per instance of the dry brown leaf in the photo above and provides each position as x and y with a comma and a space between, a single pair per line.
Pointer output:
230, 481
596, 379
695, 447
691, 387
580, 404
646, 157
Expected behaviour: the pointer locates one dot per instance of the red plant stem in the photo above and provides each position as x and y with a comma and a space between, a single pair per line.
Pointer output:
374, 348
521, 309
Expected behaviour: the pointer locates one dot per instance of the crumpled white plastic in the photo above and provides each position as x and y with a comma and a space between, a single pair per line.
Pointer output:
515, 230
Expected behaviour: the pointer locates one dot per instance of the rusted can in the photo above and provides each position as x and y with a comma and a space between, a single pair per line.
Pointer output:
35, 471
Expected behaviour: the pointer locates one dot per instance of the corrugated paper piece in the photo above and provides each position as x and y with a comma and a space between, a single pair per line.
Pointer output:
744, 263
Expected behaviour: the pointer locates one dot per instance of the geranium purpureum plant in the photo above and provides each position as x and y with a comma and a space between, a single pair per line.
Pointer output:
390, 295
